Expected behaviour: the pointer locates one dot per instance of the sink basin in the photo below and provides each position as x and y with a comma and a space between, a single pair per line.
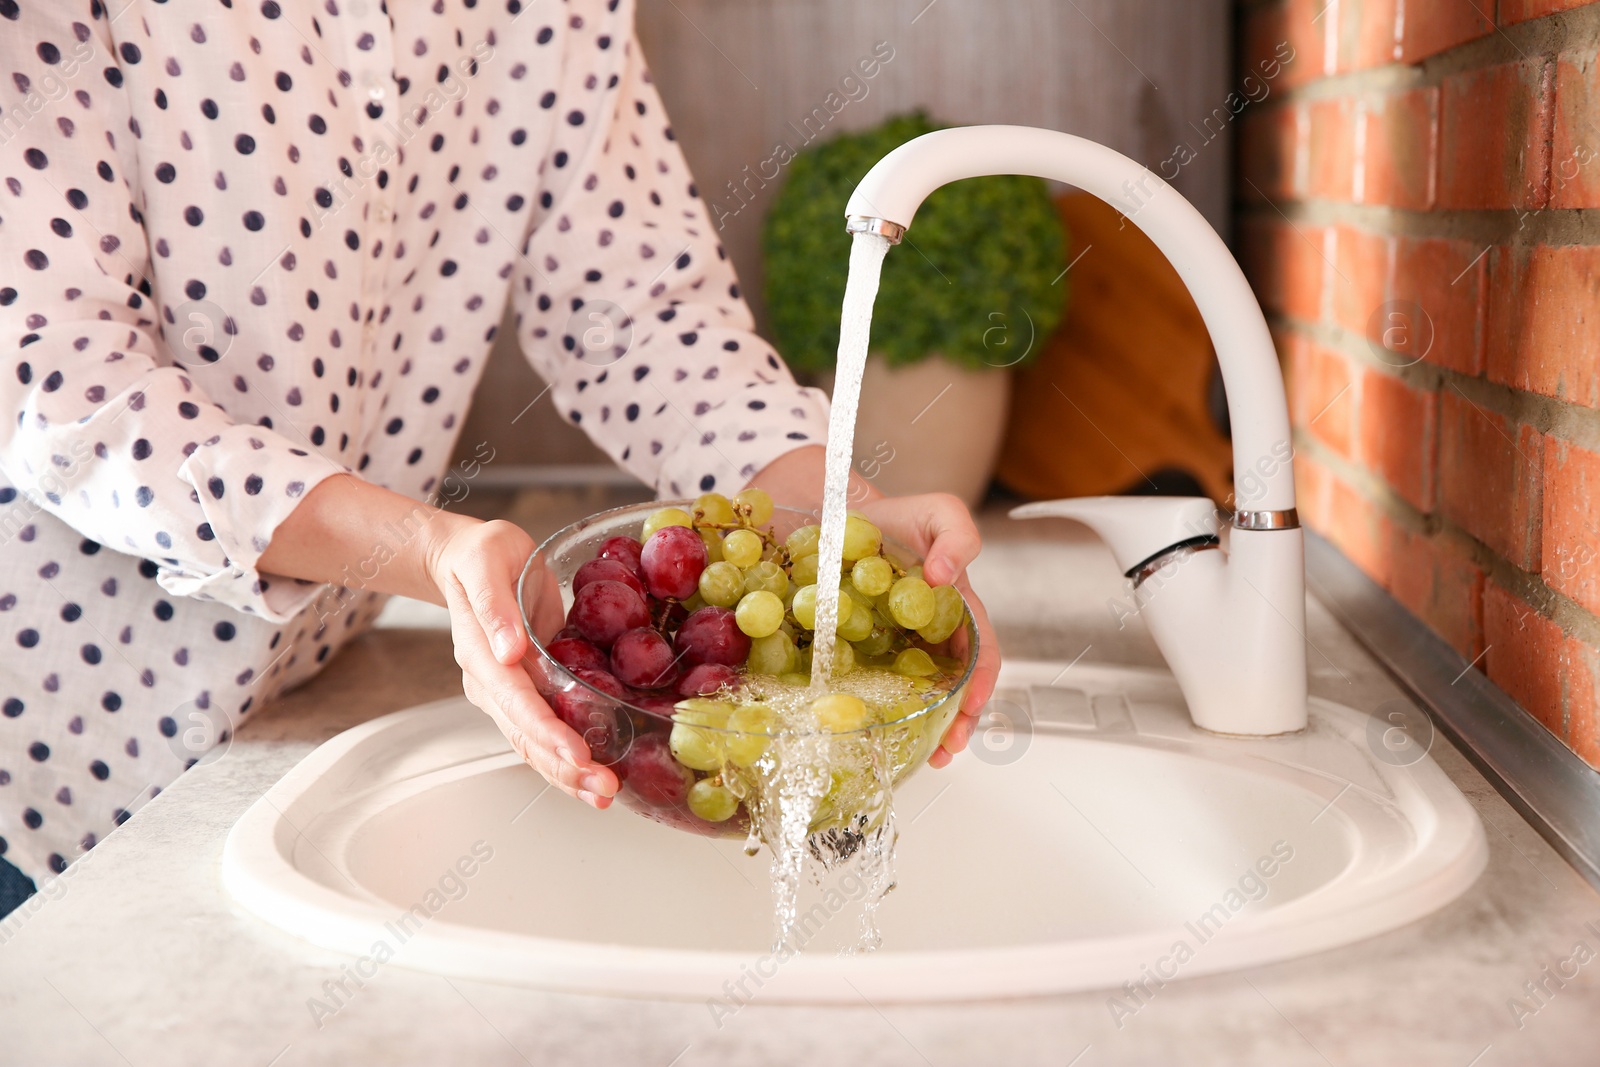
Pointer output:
1098, 840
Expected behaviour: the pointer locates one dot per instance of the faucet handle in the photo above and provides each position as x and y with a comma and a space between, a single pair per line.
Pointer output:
1136, 528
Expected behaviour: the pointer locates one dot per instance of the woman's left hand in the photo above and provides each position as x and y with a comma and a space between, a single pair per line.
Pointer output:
940, 529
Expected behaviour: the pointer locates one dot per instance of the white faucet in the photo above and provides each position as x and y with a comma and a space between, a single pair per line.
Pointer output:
1231, 623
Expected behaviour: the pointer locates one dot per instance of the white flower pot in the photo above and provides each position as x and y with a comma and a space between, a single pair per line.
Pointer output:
930, 426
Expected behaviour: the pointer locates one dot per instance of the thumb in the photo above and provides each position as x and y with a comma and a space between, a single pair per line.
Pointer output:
954, 541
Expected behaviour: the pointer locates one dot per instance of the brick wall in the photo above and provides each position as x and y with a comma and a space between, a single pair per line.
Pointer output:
1418, 198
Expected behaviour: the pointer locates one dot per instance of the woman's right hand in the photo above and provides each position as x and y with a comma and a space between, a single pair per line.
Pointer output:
475, 566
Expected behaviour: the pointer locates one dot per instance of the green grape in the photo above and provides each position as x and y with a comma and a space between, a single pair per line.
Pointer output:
765, 575
664, 517
758, 614
714, 507
695, 602
803, 571
694, 747
839, 712
702, 711
861, 538
877, 642
803, 542
948, 613
911, 603
721, 584
844, 658
753, 726
857, 624
742, 548
804, 606
713, 543
915, 663
795, 678
772, 654
712, 802
873, 575
759, 503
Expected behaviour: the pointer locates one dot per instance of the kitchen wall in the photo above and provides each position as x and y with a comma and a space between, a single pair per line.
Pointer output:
738, 76
1412, 214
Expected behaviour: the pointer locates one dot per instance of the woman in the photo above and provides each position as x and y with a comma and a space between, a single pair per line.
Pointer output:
252, 257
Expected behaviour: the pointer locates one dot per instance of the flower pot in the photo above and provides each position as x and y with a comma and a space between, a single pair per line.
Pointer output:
930, 426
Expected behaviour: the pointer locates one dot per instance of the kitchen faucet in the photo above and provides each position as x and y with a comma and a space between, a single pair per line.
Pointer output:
1230, 620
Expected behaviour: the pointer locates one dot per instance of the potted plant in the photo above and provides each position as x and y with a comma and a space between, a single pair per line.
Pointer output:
975, 289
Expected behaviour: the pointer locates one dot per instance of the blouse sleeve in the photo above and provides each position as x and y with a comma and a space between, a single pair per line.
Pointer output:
98, 424
626, 302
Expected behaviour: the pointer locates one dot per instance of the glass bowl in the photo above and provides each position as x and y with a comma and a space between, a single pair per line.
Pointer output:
634, 733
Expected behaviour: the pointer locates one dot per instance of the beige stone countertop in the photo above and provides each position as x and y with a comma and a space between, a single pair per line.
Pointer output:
140, 958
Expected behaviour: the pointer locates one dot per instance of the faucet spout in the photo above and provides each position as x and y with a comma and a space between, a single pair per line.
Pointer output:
1231, 622
1258, 412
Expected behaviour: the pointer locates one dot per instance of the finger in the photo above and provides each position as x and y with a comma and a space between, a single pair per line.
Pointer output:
986, 672
953, 541
489, 581
508, 694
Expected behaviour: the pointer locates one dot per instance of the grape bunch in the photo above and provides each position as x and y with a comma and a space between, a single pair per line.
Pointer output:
704, 618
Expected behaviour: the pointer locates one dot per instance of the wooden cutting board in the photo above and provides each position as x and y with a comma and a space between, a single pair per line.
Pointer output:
1119, 392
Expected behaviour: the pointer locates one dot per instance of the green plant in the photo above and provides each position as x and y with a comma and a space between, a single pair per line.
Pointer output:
982, 253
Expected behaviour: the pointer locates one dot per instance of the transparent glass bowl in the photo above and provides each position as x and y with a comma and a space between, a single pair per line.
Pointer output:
631, 734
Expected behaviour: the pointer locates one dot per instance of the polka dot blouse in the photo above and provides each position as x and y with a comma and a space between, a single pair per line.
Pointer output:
248, 244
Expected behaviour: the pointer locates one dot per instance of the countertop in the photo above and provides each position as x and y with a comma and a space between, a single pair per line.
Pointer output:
139, 957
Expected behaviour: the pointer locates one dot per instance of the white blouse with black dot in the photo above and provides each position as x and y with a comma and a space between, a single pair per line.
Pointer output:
246, 245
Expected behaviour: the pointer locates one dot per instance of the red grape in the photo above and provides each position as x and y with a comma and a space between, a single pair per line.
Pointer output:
603, 611
564, 633
607, 570
659, 704
623, 549
711, 635
575, 652
703, 679
672, 561
597, 719
643, 658
652, 774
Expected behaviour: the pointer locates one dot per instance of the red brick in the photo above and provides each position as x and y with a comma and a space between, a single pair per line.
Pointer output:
1331, 149
1269, 153
1396, 438
1521, 10
1360, 530
1313, 488
1321, 398
1430, 28
1571, 551
1446, 280
1543, 332
1494, 136
1437, 581
1398, 149
1360, 279
1285, 264
1303, 29
1367, 33
1581, 689
1524, 655
1575, 151
1489, 478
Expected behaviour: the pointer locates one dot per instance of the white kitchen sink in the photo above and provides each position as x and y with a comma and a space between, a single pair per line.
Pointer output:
1103, 841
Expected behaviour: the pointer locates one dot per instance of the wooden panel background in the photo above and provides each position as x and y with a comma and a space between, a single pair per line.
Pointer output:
1138, 75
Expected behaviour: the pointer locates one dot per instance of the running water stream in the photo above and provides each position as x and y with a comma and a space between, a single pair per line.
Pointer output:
805, 754
855, 328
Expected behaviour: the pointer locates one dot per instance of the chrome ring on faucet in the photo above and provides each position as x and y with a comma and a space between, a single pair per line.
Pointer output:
889, 231
1286, 519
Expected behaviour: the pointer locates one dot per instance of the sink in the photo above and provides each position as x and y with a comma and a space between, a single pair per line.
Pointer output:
1096, 838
